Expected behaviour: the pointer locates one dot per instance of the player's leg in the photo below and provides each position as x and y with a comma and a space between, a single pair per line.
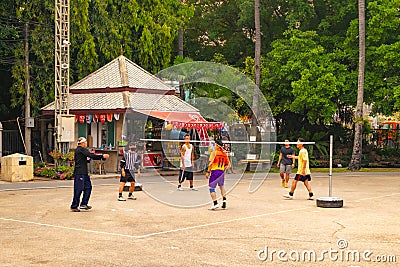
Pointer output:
282, 173
293, 188
131, 179
87, 190
181, 178
308, 186
287, 180
212, 184
123, 180
78, 188
288, 172
189, 177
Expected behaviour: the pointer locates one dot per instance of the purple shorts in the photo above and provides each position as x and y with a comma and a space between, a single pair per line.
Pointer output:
217, 177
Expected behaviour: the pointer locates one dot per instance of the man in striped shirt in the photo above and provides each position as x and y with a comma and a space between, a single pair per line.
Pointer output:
129, 163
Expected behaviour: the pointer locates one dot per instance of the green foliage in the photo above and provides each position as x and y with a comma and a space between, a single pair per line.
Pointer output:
143, 31
302, 78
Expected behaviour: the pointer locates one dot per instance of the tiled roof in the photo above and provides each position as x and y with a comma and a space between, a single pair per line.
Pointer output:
125, 100
121, 72
141, 101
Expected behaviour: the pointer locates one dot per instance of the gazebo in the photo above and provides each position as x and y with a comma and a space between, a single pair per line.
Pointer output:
120, 98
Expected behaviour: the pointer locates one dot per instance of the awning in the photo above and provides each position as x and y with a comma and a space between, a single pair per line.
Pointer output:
186, 120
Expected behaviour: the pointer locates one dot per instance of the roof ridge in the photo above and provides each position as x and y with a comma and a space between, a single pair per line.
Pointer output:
123, 71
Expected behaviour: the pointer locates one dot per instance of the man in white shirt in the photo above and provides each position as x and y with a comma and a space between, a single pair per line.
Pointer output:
186, 164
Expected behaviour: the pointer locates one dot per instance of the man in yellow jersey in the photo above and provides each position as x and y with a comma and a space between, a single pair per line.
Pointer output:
219, 162
303, 172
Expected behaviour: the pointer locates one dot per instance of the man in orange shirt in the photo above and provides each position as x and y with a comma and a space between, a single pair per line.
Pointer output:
219, 162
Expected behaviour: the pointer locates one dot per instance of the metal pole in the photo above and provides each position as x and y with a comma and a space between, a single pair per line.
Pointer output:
330, 164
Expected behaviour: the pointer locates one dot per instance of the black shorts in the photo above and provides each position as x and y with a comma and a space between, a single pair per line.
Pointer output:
185, 174
302, 178
129, 176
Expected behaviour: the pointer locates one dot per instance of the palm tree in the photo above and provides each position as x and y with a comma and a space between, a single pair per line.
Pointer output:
256, 60
355, 163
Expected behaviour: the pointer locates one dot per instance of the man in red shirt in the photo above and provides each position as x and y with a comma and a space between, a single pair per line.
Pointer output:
219, 162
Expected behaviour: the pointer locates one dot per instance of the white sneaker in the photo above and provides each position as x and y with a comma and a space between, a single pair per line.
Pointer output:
288, 196
121, 199
310, 198
180, 188
194, 189
132, 197
213, 207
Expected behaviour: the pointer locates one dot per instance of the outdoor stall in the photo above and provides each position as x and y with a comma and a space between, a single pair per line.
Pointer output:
114, 105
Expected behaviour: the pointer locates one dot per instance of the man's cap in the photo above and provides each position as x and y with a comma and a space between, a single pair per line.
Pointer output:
219, 142
81, 140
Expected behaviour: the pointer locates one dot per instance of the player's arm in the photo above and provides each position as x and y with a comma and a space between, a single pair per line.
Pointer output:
192, 156
122, 164
304, 160
279, 159
210, 162
227, 163
294, 159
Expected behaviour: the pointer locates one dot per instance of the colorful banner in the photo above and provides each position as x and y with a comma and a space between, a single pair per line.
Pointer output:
198, 125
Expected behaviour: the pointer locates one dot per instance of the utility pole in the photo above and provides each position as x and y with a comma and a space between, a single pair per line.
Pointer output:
61, 64
28, 142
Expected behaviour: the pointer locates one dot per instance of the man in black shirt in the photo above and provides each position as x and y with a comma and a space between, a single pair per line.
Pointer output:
82, 181
285, 163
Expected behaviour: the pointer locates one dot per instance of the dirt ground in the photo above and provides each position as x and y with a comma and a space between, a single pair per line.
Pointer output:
257, 229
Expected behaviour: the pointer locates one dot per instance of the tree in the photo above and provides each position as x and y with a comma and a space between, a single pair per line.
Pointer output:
355, 163
302, 79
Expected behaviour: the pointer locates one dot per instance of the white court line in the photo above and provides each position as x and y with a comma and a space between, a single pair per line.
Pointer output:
152, 234
67, 228
369, 198
178, 229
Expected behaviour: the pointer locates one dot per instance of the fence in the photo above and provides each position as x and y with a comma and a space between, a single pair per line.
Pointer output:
12, 143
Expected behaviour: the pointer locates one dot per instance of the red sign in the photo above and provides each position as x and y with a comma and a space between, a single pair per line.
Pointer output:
152, 159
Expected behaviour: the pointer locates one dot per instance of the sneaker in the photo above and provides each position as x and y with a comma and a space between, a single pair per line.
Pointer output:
286, 185
75, 210
132, 197
310, 198
223, 204
288, 196
213, 207
194, 189
121, 198
180, 188
85, 207
283, 183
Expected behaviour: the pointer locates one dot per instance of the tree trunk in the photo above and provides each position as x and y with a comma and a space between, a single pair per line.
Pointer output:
180, 53
257, 60
355, 163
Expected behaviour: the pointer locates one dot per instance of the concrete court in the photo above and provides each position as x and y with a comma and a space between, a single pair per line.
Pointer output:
37, 228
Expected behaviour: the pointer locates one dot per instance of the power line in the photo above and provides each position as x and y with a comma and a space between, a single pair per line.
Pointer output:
13, 19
